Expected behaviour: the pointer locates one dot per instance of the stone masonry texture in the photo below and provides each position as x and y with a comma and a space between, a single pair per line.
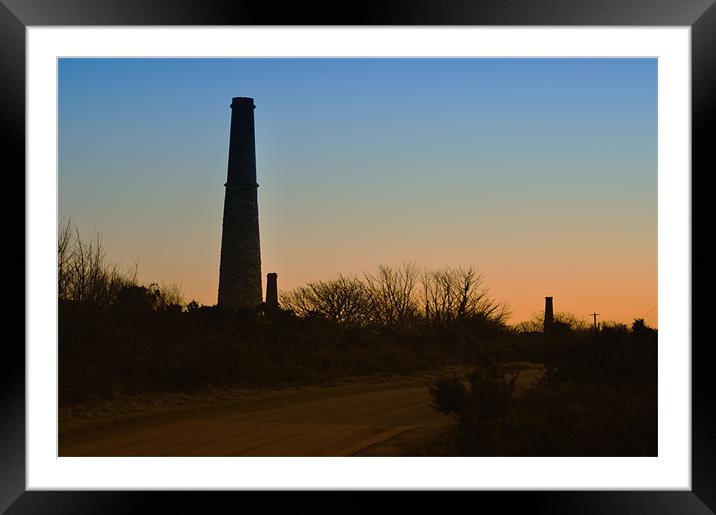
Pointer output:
240, 265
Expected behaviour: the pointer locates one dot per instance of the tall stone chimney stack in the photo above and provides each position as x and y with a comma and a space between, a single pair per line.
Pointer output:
240, 266
548, 315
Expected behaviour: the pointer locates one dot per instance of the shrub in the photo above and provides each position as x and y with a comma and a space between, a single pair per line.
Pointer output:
481, 408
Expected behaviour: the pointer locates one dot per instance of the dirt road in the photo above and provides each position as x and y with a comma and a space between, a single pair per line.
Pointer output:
377, 419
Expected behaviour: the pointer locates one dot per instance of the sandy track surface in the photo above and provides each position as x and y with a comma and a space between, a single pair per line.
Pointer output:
370, 420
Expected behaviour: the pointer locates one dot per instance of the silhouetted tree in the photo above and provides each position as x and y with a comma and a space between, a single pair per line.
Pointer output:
343, 300
390, 297
391, 294
84, 275
457, 293
638, 326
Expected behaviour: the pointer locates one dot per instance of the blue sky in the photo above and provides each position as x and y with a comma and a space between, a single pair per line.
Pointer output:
540, 172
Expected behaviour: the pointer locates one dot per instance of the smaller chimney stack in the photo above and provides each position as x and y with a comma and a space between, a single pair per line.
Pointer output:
272, 290
548, 315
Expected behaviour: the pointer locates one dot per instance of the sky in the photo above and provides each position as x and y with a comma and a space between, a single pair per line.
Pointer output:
541, 173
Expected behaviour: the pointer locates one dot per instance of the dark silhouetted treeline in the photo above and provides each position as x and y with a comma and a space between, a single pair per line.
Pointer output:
405, 297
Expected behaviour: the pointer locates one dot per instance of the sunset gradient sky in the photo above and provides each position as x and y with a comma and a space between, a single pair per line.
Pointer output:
540, 172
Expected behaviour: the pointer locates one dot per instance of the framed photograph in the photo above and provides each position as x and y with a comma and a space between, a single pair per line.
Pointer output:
468, 267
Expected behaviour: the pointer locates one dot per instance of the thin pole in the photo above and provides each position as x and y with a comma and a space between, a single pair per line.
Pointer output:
595, 315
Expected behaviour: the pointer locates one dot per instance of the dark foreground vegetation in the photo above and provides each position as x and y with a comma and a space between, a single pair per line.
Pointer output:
597, 397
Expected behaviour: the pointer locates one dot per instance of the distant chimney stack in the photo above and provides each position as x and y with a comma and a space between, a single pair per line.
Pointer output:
272, 290
548, 315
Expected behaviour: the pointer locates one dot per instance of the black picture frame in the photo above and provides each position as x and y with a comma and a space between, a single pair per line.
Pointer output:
700, 15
